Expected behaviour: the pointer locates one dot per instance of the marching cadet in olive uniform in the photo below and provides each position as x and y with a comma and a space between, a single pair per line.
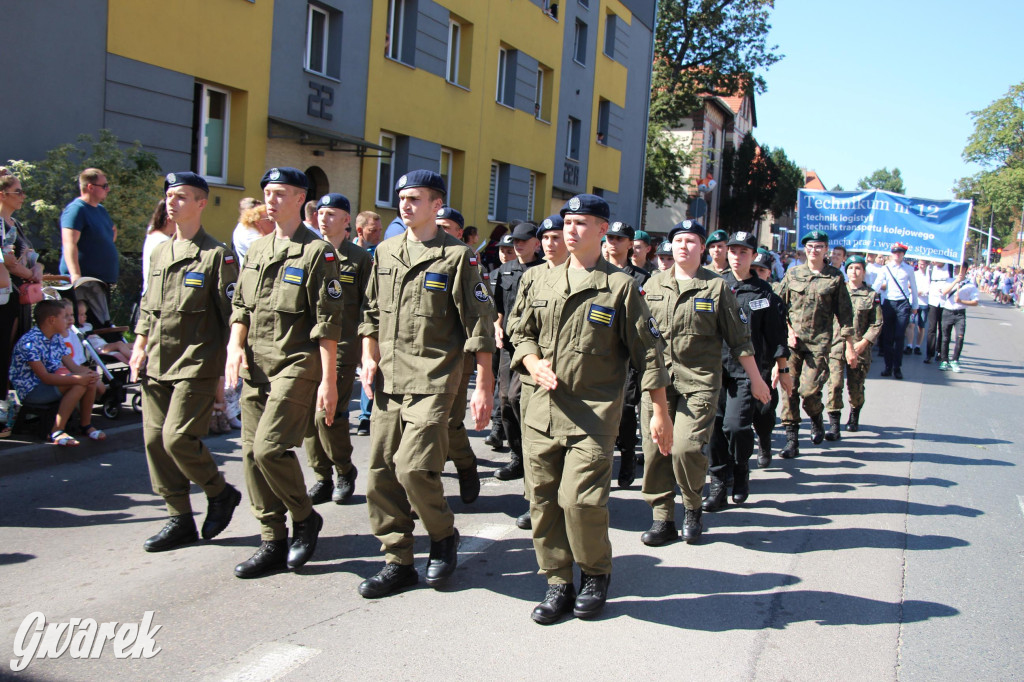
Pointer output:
867, 325
765, 415
619, 252
814, 294
459, 450
696, 311
284, 336
552, 240
582, 322
506, 287
426, 307
329, 447
180, 340
718, 252
732, 442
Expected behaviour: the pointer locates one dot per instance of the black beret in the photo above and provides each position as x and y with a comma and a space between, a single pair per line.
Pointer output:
524, 231
449, 213
665, 248
690, 227
552, 222
620, 229
421, 178
762, 260
334, 200
741, 238
187, 178
587, 204
285, 176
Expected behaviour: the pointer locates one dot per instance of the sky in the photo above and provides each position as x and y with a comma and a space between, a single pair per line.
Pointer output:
870, 84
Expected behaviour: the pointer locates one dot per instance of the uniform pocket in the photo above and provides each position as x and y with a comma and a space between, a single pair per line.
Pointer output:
434, 292
194, 292
248, 283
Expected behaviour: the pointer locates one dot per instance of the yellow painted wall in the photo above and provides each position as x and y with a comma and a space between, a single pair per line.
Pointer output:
220, 42
419, 104
610, 84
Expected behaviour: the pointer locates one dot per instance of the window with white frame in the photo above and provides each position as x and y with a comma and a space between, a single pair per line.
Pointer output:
385, 171
531, 196
446, 167
492, 197
213, 114
579, 50
572, 139
506, 75
398, 25
538, 97
454, 49
317, 22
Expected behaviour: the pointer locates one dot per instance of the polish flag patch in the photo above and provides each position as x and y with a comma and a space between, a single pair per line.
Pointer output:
229, 259
472, 260
329, 256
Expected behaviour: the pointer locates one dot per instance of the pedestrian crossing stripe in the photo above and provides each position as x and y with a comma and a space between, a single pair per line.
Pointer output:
347, 277
436, 281
195, 280
294, 275
704, 305
598, 314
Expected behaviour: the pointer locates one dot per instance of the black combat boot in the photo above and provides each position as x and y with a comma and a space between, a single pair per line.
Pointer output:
741, 483
764, 452
833, 425
219, 511
854, 423
558, 601
512, 470
346, 486
524, 521
817, 429
717, 494
627, 468
272, 555
496, 437
179, 530
391, 578
304, 537
321, 491
692, 527
792, 448
444, 557
469, 483
659, 533
593, 595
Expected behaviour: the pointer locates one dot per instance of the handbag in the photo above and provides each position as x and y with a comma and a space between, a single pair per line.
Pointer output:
30, 292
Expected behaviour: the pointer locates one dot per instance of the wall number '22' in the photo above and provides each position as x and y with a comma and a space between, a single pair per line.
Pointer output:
320, 100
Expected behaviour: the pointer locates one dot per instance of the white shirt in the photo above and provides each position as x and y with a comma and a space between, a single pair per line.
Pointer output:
242, 238
938, 277
922, 286
966, 292
871, 277
152, 239
899, 283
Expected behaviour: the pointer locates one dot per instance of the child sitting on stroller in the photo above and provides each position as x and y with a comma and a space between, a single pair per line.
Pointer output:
78, 357
119, 350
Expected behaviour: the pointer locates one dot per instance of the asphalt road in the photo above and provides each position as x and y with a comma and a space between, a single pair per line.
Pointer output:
895, 553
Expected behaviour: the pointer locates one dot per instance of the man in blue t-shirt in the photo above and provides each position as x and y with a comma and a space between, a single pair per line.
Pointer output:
88, 233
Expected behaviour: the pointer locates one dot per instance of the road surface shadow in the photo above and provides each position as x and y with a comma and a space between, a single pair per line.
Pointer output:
803, 540
842, 507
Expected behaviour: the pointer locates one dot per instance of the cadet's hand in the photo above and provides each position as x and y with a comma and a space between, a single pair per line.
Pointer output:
786, 381
759, 389
661, 433
499, 336
137, 362
791, 339
852, 359
861, 346
480, 407
542, 373
368, 374
327, 400
236, 362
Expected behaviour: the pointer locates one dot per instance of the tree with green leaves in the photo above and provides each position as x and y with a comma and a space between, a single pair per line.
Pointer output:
701, 46
883, 179
789, 180
997, 145
750, 180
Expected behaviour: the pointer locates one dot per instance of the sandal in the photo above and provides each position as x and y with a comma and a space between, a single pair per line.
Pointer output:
93, 433
5, 432
62, 439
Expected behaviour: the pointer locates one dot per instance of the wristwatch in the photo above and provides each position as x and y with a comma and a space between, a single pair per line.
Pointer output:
784, 370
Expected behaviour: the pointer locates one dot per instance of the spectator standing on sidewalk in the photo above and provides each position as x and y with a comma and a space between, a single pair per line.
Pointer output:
88, 232
958, 295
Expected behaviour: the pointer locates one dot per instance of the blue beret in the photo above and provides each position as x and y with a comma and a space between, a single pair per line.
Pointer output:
421, 178
552, 222
334, 200
815, 236
642, 236
717, 236
506, 239
620, 229
665, 248
587, 204
690, 227
449, 213
186, 178
855, 260
285, 176
741, 238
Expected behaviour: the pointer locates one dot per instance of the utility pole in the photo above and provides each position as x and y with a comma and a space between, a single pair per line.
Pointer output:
991, 217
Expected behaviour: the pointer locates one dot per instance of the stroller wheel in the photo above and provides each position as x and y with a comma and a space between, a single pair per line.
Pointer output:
137, 403
111, 411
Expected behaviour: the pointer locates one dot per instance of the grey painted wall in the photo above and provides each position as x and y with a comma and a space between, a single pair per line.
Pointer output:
615, 204
642, 10
576, 95
526, 82
412, 153
616, 125
634, 123
432, 38
49, 101
151, 105
518, 193
290, 88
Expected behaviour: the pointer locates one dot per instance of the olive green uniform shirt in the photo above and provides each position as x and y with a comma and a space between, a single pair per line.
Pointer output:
695, 316
186, 309
867, 316
426, 314
354, 267
289, 296
813, 299
589, 334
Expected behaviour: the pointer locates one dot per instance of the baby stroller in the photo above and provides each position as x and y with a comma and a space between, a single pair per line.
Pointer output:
94, 293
